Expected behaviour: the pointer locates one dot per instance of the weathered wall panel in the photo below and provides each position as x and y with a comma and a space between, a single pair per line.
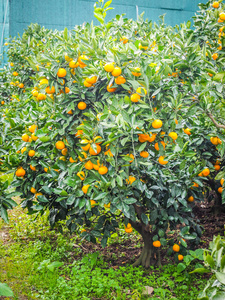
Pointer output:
57, 14
4, 27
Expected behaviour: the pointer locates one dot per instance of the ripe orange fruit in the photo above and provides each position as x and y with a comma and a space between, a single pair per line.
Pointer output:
157, 123
97, 138
222, 16
221, 181
15, 74
180, 257
41, 96
89, 165
191, 199
220, 190
215, 4
38, 194
73, 64
25, 137
23, 149
20, 172
176, 248
46, 170
162, 161
21, 85
214, 140
82, 105
85, 188
109, 89
33, 190
215, 56
187, 131
135, 97
103, 170
32, 128
61, 72
91, 79
67, 58
34, 137
109, 67
137, 72
217, 167
195, 184
43, 81
144, 154
173, 135
107, 205
95, 152
87, 144
205, 172
2, 102
80, 60
64, 151
71, 160
132, 157
84, 155
116, 72
130, 180
124, 39
31, 153
96, 167
93, 202
87, 84
120, 80
157, 145
156, 244
59, 145
141, 91
70, 112
49, 90
32, 168
128, 230
81, 175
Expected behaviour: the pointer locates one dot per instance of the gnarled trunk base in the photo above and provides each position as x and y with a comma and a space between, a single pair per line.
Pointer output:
149, 254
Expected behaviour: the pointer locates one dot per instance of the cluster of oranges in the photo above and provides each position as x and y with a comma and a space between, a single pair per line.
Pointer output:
176, 248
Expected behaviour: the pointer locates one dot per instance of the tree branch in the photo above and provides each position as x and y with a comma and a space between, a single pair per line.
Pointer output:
214, 121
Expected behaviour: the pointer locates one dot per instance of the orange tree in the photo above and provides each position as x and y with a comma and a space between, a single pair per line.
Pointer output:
209, 33
109, 128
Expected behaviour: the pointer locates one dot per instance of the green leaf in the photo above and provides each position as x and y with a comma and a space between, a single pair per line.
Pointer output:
221, 277
200, 270
219, 296
219, 76
210, 261
65, 34
5, 290
142, 147
4, 214
161, 233
44, 139
54, 265
129, 200
144, 218
101, 196
181, 267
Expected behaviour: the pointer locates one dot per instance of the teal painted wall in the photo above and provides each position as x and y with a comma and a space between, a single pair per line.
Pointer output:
58, 14
67, 13
4, 27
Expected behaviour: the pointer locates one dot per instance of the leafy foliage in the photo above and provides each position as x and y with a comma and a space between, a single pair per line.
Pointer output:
132, 140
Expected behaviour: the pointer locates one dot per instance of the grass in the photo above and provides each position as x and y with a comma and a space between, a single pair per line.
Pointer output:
39, 263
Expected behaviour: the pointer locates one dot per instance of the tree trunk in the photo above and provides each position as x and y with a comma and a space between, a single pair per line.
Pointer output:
149, 254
